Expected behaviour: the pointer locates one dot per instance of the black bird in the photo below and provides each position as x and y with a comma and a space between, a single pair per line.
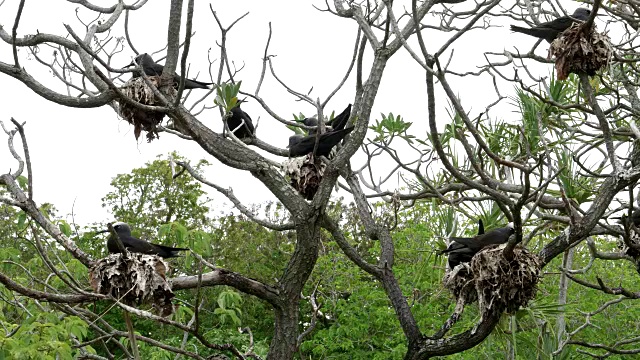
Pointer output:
552, 29
635, 217
151, 68
480, 227
463, 249
312, 121
634, 236
302, 145
136, 245
338, 122
236, 126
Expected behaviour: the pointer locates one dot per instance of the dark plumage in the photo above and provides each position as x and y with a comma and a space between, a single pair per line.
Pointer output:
338, 122
236, 126
552, 29
151, 68
312, 121
635, 217
136, 245
463, 249
302, 145
634, 236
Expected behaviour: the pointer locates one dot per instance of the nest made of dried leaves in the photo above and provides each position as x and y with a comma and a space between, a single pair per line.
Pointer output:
305, 174
134, 279
497, 283
577, 52
138, 90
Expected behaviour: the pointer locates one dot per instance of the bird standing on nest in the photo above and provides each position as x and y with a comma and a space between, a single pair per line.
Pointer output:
463, 249
151, 68
136, 245
552, 29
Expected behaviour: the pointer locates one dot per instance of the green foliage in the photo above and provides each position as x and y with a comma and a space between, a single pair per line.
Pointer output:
391, 126
150, 196
43, 336
575, 185
356, 319
229, 307
227, 96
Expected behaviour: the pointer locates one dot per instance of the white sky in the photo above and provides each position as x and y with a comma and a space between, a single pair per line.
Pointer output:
76, 152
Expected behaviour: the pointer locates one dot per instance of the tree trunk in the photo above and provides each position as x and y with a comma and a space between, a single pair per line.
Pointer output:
285, 335
567, 262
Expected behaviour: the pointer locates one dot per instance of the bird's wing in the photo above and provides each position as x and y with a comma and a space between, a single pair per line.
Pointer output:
495, 236
151, 68
330, 139
470, 243
340, 121
559, 24
453, 246
248, 122
136, 245
166, 251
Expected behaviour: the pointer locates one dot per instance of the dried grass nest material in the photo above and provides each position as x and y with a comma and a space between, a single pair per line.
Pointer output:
576, 51
135, 279
305, 174
138, 90
497, 284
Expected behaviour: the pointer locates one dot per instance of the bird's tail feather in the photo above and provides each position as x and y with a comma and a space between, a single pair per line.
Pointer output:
169, 248
523, 30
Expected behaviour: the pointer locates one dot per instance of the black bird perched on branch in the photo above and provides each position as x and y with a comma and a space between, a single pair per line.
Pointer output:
237, 127
338, 122
463, 249
633, 248
635, 217
136, 245
552, 29
151, 68
302, 145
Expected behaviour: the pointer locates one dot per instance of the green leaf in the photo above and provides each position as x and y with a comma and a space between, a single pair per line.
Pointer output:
64, 227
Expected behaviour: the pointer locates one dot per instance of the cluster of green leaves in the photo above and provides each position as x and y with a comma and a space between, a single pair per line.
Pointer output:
390, 126
227, 95
42, 336
355, 319
150, 196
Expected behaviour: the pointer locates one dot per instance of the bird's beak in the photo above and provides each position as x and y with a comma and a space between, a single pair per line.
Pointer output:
133, 63
618, 218
102, 231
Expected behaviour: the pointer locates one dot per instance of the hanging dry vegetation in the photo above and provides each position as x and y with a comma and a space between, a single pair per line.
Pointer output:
138, 90
578, 51
135, 279
499, 284
305, 174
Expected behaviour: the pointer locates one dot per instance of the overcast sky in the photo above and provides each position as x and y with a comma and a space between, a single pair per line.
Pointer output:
76, 152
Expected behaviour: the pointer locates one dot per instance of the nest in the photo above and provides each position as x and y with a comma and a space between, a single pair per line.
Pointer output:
577, 52
305, 174
497, 284
134, 279
137, 89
